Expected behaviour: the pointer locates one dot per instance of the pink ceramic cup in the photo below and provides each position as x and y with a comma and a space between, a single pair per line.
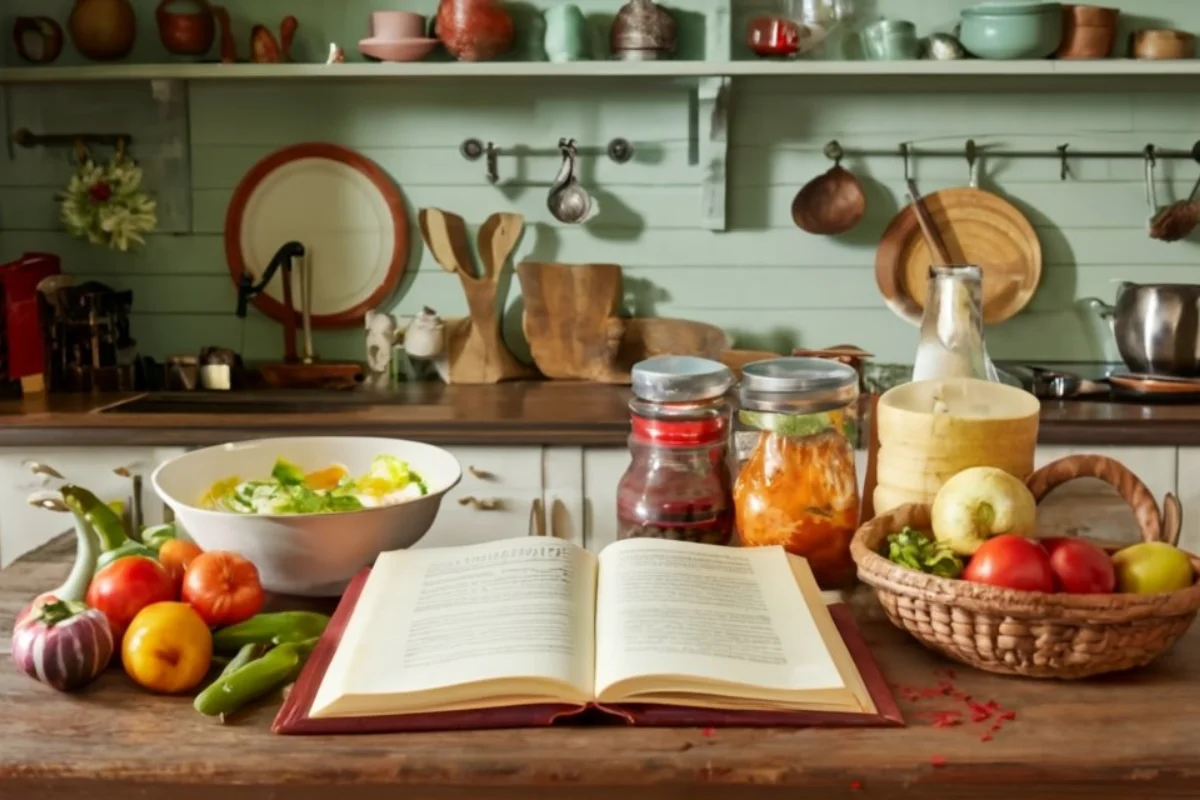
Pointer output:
393, 26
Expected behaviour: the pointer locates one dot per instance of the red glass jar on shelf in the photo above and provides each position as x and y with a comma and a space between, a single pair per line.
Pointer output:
679, 483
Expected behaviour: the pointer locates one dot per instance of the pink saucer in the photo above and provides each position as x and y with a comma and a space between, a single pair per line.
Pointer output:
397, 49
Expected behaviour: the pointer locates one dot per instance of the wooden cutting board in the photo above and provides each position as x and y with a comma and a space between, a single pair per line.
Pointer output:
572, 319
979, 228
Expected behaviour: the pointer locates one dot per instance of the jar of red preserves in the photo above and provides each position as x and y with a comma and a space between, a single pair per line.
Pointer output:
799, 486
679, 483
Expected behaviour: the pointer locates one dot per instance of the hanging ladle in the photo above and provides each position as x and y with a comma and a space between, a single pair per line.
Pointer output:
1178, 220
568, 201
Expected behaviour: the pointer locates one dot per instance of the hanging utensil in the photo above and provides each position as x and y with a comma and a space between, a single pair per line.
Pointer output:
1151, 189
831, 203
933, 237
568, 201
1178, 220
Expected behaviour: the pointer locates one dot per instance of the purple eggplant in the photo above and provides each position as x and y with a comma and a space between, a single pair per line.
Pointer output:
62, 643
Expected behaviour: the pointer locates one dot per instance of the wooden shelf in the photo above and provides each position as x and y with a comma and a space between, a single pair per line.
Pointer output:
1122, 68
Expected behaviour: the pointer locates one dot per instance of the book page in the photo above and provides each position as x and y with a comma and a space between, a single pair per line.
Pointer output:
445, 617
706, 614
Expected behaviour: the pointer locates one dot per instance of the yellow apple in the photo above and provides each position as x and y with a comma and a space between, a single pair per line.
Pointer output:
1152, 567
979, 503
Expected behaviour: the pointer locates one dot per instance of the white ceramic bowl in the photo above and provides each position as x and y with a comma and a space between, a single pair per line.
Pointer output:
305, 554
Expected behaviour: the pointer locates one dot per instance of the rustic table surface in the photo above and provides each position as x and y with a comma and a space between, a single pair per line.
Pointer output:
1131, 737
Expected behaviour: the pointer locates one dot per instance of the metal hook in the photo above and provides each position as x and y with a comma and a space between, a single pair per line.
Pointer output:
834, 152
972, 175
1064, 167
1150, 151
904, 153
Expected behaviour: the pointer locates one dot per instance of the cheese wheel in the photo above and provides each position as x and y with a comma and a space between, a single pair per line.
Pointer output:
931, 430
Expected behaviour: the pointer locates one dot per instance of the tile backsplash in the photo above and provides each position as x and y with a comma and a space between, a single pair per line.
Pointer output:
763, 279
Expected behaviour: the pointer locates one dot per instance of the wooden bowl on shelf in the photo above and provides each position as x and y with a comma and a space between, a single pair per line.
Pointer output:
1088, 32
1162, 44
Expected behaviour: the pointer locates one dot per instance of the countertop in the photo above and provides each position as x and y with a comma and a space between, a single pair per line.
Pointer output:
1134, 735
532, 412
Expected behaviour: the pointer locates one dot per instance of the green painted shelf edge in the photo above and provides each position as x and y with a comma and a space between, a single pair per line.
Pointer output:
608, 69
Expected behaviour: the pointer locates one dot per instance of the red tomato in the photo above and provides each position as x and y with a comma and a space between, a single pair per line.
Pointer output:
1080, 566
223, 587
1012, 562
125, 587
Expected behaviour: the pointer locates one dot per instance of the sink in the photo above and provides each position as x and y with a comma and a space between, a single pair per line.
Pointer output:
276, 401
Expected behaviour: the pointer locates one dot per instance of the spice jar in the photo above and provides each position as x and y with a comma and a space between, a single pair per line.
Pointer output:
679, 483
799, 487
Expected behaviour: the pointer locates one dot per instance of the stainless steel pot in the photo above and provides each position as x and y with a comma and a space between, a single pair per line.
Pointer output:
1157, 326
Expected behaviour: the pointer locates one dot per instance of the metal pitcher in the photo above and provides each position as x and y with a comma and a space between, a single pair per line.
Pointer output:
1157, 326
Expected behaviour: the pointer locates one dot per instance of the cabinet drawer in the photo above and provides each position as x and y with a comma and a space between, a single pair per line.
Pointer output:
465, 523
498, 468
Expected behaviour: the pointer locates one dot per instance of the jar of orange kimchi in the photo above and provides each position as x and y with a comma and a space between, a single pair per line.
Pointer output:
799, 487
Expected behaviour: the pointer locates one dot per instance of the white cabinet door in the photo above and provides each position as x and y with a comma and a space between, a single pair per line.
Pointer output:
501, 490
1189, 496
1090, 507
602, 470
24, 528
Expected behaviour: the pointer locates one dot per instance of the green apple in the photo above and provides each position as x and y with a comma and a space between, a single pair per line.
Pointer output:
979, 503
1152, 567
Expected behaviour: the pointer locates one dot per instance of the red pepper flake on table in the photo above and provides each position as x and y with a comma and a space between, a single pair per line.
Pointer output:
990, 710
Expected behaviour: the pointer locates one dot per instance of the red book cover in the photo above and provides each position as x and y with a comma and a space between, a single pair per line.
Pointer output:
293, 716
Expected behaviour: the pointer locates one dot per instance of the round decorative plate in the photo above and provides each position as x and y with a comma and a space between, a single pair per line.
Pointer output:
346, 212
979, 228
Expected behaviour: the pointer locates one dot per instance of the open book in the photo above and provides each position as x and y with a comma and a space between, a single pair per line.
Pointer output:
454, 636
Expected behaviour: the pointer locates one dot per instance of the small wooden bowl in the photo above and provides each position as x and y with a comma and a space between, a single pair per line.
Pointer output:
1162, 44
1088, 32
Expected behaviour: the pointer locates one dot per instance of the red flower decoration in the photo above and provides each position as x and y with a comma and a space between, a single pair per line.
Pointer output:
100, 192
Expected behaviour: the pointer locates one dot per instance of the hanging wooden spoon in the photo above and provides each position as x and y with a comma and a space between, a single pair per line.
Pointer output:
933, 237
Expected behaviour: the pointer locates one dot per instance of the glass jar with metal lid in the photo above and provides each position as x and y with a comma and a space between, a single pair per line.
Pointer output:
679, 484
799, 487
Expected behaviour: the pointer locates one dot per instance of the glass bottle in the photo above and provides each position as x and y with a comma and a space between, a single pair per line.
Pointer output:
799, 486
679, 483
951, 343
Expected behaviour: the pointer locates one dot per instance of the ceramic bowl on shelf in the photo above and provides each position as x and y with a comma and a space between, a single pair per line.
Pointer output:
312, 555
397, 49
1012, 30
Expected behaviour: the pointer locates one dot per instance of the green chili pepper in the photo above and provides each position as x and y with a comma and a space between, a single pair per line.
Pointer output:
255, 679
107, 525
156, 536
280, 627
243, 657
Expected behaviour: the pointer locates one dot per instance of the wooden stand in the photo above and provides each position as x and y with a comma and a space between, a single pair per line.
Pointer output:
475, 344
572, 319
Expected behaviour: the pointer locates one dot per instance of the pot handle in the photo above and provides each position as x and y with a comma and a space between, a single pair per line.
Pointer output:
1105, 310
1117, 475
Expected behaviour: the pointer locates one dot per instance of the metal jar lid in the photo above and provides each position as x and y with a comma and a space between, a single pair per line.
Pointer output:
680, 379
797, 385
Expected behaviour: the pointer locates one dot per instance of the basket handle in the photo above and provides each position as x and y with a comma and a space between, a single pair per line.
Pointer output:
1117, 475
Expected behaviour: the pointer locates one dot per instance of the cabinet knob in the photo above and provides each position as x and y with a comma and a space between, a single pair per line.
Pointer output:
481, 504
481, 474
537, 518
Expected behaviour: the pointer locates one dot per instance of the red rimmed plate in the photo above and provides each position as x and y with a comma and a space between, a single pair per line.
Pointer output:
343, 208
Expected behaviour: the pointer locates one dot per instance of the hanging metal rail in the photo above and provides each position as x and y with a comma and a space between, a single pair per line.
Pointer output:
971, 151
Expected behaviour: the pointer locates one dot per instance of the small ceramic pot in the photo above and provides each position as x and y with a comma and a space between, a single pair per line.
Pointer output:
643, 31
38, 40
1162, 45
186, 27
475, 30
395, 26
566, 34
891, 40
1088, 32
1017, 31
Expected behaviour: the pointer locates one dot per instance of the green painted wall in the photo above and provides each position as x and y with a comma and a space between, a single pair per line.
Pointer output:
764, 280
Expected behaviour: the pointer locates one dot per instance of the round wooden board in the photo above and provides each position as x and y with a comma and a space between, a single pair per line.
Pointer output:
979, 228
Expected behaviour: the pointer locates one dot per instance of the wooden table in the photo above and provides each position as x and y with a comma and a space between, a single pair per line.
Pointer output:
1131, 737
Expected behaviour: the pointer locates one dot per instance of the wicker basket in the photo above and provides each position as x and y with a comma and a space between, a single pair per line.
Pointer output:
1034, 634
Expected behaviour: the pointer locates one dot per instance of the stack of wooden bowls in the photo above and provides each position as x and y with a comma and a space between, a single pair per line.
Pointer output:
931, 430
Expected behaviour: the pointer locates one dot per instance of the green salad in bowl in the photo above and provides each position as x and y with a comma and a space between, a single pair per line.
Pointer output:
328, 490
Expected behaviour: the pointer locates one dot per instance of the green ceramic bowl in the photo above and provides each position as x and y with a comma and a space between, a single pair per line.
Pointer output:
1012, 30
